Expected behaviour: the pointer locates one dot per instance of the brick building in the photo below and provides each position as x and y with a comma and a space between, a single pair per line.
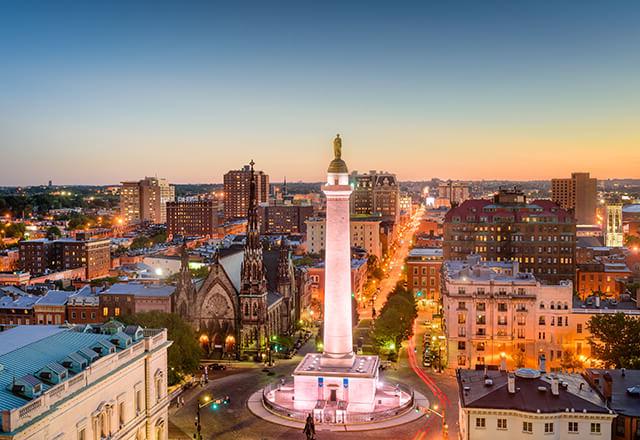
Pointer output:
540, 235
423, 273
604, 278
129, 298
375, 193
193, 218
237, 184
284, 218
42, 256
577, 194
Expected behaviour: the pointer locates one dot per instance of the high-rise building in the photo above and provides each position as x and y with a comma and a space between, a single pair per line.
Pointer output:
146, 200
375, 193
540, 235
613, 235
237, 185
193, 218
578, 194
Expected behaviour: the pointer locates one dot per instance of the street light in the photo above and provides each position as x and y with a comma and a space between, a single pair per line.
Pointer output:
201, 403
442, 415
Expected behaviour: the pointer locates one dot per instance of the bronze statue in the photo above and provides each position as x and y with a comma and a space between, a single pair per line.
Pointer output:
337, 147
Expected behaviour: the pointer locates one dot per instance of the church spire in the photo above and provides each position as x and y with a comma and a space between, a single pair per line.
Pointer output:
253, 278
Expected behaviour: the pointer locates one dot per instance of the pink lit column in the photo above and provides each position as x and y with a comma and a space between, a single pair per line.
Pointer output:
338, 343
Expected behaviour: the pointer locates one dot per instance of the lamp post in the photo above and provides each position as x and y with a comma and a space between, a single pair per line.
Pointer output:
204, 401
442, 415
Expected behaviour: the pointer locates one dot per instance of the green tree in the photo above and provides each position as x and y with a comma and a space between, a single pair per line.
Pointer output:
395, 321
615, 340
569, 360
140, 242
185, 352
15, 230
519, 358
53, 232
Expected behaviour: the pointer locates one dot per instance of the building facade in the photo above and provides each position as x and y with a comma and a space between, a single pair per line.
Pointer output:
540, 235
578, 194
606, 279
193, 218
423, 274
284, 218
375, 193
237, 187
494, 314
69, 384
452, 193
42, 256
365, 233
146, 200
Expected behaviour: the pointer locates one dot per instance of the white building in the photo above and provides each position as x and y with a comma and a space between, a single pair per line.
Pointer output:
494, 314
496, 405
70, 383
364, 233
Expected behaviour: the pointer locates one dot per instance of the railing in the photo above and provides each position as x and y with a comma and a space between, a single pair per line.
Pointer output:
351, 417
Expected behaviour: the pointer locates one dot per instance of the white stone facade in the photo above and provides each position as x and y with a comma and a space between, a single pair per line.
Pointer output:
122, 395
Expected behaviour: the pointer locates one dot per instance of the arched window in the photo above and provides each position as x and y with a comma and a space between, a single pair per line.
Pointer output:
246, 309
255, 309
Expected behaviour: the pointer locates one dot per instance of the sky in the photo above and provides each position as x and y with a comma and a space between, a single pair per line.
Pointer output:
95, 92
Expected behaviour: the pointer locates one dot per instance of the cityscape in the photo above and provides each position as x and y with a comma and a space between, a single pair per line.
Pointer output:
321, 221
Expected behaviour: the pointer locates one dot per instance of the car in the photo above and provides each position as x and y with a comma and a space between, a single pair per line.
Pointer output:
426, 362
217, 367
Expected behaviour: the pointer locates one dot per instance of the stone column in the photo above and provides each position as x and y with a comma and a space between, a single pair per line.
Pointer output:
338, 342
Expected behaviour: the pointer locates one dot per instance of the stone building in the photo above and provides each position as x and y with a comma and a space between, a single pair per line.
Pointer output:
248, 296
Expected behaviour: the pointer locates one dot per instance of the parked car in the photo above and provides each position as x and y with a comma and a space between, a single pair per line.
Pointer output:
217, 367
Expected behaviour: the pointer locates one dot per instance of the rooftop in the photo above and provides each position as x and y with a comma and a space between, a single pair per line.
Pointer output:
137, 289
625, 391
472, 270
425, 252
532, 394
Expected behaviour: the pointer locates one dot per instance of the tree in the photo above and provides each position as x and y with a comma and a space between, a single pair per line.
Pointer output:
185, 352
140, 242
519, 358
53, 232
15, 230
569, 361
615, 340
395, 321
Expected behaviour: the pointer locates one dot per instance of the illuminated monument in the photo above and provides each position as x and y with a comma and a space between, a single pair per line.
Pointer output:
338, 386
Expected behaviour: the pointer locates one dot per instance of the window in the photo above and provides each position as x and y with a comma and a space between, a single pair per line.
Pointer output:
527, 427
121, 415
573, 427
595, 428
502, 423
462, 345
481, 422
138, 401
82, 434
579, 328
105, 311
548, 428
117, 311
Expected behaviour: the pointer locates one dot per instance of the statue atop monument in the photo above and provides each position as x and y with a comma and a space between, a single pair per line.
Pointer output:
337, 147
337, 165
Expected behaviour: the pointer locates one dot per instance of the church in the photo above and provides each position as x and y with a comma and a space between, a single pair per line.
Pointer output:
247, 298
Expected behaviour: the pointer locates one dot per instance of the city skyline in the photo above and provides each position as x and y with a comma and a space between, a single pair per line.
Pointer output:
100, 93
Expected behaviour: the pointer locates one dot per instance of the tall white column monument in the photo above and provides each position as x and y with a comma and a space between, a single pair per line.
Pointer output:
337, 379
338, 337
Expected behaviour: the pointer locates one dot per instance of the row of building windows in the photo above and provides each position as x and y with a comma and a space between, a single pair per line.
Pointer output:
527, 427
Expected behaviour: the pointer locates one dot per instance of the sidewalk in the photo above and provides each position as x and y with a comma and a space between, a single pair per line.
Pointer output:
257, 408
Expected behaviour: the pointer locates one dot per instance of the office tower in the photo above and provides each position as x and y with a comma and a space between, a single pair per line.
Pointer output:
237, 184
146, 200
578, 194
452, 193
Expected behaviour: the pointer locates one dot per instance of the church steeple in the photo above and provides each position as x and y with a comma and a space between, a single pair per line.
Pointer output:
253, 277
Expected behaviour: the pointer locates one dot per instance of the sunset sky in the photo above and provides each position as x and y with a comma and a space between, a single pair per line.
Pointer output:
95, 93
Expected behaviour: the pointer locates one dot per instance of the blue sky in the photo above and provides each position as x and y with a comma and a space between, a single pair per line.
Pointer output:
98, 92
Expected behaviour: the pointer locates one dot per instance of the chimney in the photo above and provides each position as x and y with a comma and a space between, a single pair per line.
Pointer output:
511, 383
555, 385
607, 387
542, 362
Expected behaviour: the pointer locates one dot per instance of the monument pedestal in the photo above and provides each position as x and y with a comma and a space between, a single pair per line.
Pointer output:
352, 388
